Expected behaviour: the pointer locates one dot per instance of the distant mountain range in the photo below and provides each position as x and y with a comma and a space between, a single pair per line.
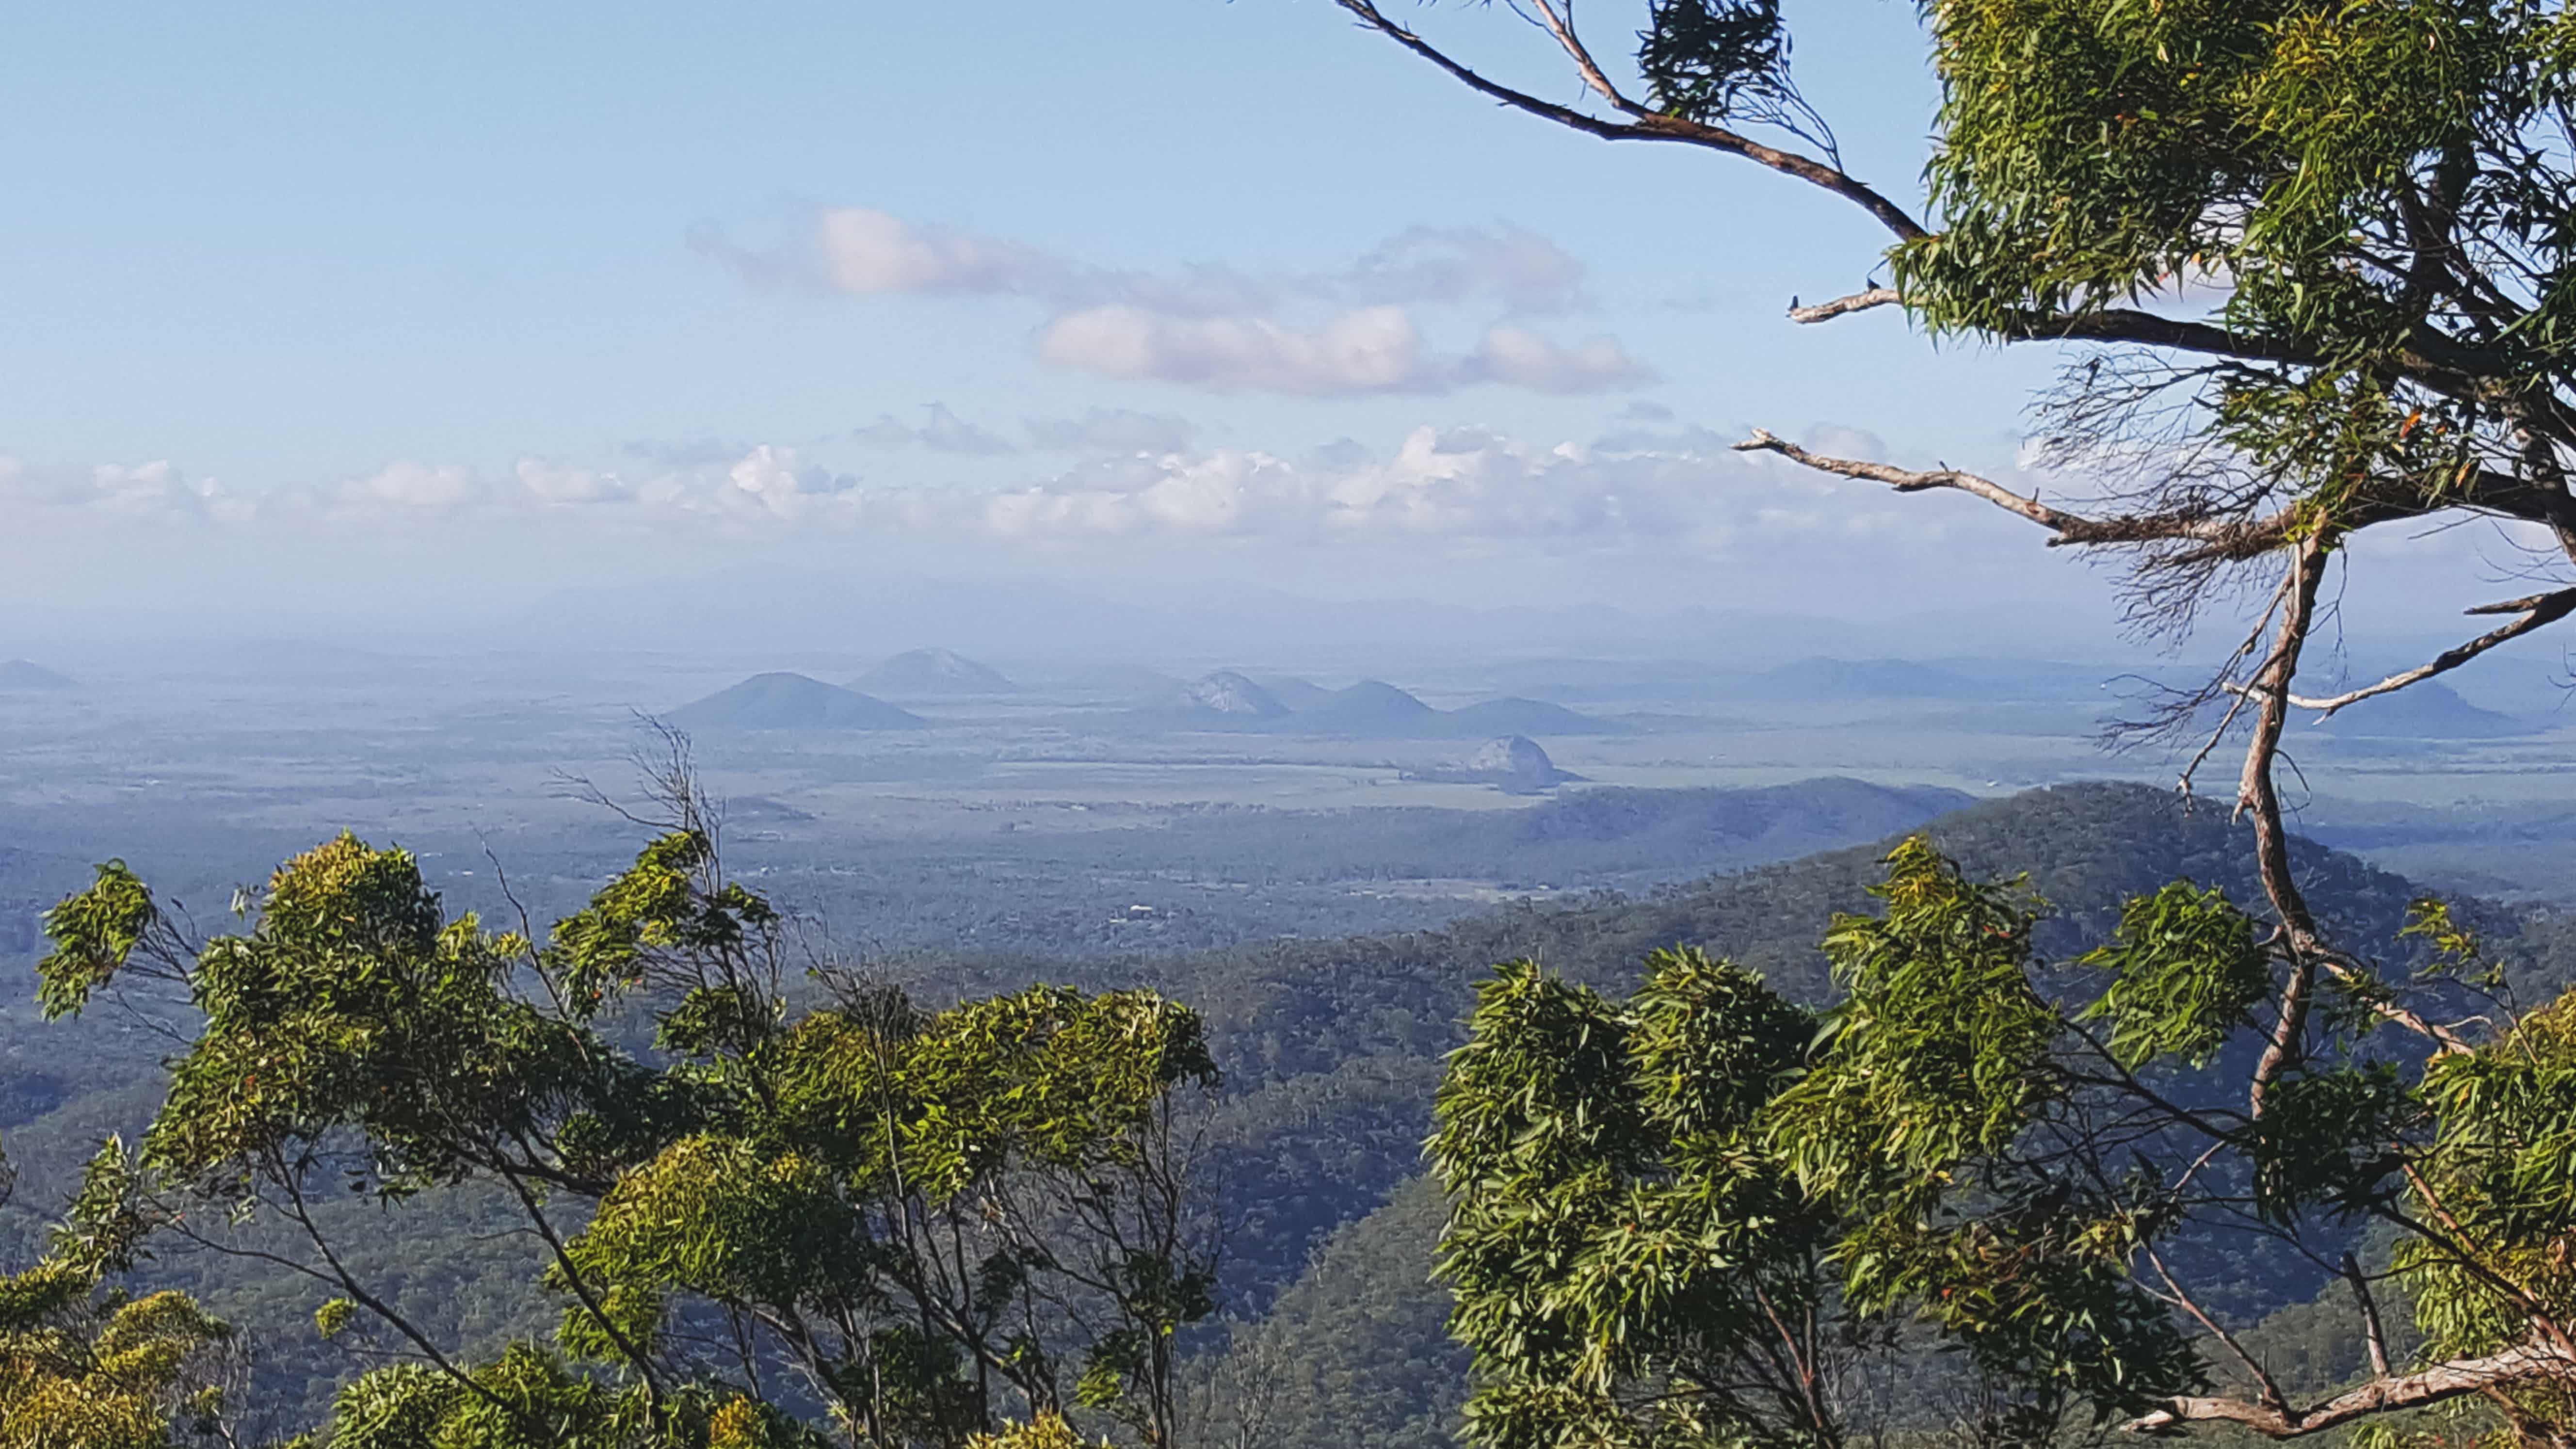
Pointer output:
784, 701
1847, 680
1234, 700
1371, 709
933, 672
1293, 692
26, 676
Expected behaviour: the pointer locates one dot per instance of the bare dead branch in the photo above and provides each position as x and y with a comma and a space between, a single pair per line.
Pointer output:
1562, 27
2253, 637
2230, 538
2538, 611
2382, 1394
1844, 306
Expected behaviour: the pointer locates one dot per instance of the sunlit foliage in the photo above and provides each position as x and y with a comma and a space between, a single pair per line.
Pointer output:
926, 1220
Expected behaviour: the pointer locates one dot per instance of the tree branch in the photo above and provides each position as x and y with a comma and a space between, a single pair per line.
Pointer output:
2257, 795
2538, 611
2374, 1334
2446, 1042
2380, 1395
2233, 538
1843, 306
2271, 1390
1651, 126
1562, 27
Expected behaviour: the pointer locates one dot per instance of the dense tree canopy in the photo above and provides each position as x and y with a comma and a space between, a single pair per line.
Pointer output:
1703, 1214
859, 1220
88, 1365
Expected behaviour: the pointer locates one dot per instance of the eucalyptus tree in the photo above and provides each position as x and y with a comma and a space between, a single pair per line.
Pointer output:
2311, 267
86, 1365
919, 1223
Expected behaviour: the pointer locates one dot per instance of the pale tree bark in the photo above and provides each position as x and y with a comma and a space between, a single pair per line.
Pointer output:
2384, 1394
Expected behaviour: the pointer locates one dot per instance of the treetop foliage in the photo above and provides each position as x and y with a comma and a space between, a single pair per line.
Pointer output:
923, 1218
1705, 1213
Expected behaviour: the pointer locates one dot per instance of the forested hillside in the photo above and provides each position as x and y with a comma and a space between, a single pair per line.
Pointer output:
1330, 1051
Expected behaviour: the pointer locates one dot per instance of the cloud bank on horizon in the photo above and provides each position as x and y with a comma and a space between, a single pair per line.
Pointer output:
1671, 489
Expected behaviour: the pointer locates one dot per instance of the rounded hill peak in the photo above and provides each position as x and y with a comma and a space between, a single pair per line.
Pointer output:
1228, 692
785, 700
934, 671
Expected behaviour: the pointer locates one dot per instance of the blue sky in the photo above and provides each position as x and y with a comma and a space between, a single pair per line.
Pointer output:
304, 296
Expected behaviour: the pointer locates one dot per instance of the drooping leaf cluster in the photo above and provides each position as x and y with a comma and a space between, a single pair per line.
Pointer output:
1724, 60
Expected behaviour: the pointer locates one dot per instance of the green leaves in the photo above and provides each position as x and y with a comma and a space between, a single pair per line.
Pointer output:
1679, 1216
2186, 970
1941, 1051
1703, 59
352, 1002
86, 1365
1614, 1217
667, 902
93, 932
528, 1399
933, 1212
2500, 1183
2330, 1138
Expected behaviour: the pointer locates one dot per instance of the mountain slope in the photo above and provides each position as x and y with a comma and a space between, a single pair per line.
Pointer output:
933, 672
25, 675
1300, 1016
1370, 707
1293, 692
1227, 692
2428, 710
784, 701
1513, 716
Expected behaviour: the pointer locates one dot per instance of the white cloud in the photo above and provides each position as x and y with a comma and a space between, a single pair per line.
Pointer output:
1521, 358
1334, 333
1372, 349
1684, 495
864, 250
156, 489
565, 483
1453, 264
780, 478
1363, 351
